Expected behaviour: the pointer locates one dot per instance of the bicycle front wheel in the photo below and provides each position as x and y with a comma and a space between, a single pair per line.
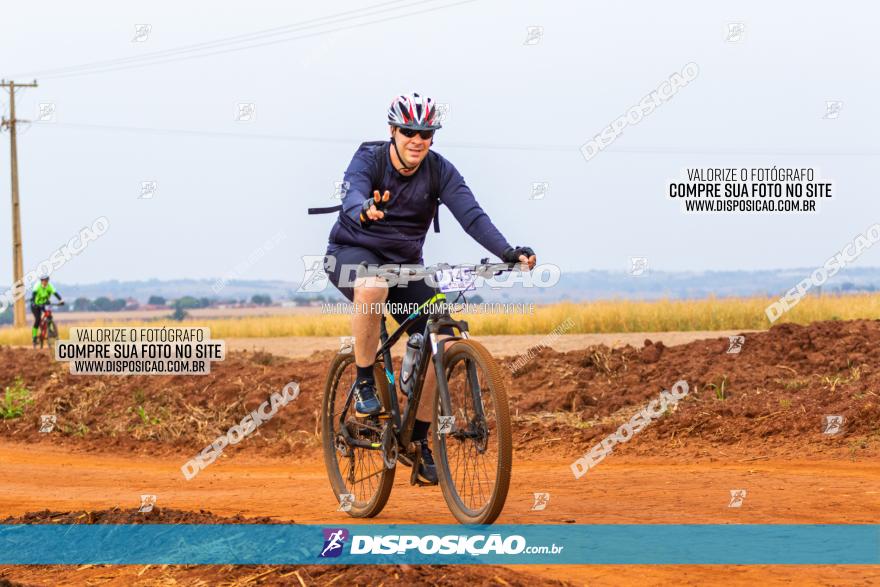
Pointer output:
472, 439
51, 337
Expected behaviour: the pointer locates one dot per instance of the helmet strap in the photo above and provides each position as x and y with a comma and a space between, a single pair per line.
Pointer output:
403, 167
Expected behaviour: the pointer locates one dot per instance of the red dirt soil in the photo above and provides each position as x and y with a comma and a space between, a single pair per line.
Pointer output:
621, 490
751, 420
776, 392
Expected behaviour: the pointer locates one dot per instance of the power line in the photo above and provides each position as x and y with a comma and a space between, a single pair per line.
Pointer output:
146, 60
209, 44
195, 132
455, 145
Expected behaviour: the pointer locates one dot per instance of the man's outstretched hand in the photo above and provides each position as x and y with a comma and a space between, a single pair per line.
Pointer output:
524, 255
373, 209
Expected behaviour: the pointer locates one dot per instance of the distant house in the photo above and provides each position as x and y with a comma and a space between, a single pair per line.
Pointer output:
131, 304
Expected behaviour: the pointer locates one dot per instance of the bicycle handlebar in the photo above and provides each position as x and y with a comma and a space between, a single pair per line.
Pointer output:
482, 269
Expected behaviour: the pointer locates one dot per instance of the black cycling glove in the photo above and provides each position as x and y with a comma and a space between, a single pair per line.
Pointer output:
378, 201
511, 254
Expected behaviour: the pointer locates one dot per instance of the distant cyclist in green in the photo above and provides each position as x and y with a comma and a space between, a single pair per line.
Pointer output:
43, 291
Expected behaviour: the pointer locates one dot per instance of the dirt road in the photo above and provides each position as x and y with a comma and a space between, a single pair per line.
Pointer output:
620, 490
624, 490
758, 420
498, 345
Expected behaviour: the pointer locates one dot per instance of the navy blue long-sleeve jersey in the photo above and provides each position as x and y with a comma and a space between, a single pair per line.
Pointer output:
400, 236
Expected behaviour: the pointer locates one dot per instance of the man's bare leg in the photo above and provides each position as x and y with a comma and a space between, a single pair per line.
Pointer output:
368, 293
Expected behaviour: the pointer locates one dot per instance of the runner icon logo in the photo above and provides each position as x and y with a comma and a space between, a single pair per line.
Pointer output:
736, 344
147, 503
541, 501
737, 496
346, 344
832, 425
638, 266
832, 109
539, 190
341, 189
735, 32
535, 34
442, 112
47, 423
445, 424
148, 190
315, 278
334, 540
346, 500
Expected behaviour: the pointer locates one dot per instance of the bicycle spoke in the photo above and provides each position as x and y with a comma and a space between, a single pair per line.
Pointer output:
470, 449
379, 472
359, 471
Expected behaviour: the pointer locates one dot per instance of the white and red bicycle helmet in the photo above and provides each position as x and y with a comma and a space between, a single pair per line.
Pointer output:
413, 111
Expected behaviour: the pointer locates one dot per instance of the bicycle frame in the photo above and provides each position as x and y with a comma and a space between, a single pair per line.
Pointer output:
403, 424
45, 318
459, 423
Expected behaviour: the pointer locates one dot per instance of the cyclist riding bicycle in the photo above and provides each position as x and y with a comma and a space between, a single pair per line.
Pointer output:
390, 228
40, 296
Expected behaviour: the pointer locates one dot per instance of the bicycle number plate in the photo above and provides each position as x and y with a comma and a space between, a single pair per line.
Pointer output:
455, 279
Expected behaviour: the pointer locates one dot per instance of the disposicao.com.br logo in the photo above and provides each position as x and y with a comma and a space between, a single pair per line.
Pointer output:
431, 544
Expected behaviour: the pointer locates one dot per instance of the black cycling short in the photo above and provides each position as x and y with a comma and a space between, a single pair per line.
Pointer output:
37, 311
414, 292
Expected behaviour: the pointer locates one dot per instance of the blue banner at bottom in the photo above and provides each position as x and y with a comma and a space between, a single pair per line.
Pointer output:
275, 544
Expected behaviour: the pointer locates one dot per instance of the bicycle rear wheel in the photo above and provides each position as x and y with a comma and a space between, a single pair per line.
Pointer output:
356, 471
474, 456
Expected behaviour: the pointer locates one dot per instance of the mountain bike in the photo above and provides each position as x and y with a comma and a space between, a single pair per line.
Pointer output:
48, 331
470, 418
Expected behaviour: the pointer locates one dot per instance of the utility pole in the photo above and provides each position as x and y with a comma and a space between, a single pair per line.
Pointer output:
17, 262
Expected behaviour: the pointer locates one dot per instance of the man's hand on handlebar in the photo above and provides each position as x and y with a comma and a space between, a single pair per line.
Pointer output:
373, 208
524, 255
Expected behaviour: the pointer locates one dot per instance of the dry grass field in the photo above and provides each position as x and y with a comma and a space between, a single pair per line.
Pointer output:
614, 316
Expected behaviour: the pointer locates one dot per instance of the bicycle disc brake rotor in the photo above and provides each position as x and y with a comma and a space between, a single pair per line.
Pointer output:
481, 436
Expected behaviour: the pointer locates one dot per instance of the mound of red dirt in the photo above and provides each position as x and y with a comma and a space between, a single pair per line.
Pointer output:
774, 393
777, 390
161, 413
132, 516
311, 576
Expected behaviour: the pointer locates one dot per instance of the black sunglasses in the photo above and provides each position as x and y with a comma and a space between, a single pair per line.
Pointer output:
410, 133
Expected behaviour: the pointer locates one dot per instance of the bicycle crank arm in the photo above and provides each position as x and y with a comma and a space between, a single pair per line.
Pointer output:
389, 448
414, 460
414, 476
352, 441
